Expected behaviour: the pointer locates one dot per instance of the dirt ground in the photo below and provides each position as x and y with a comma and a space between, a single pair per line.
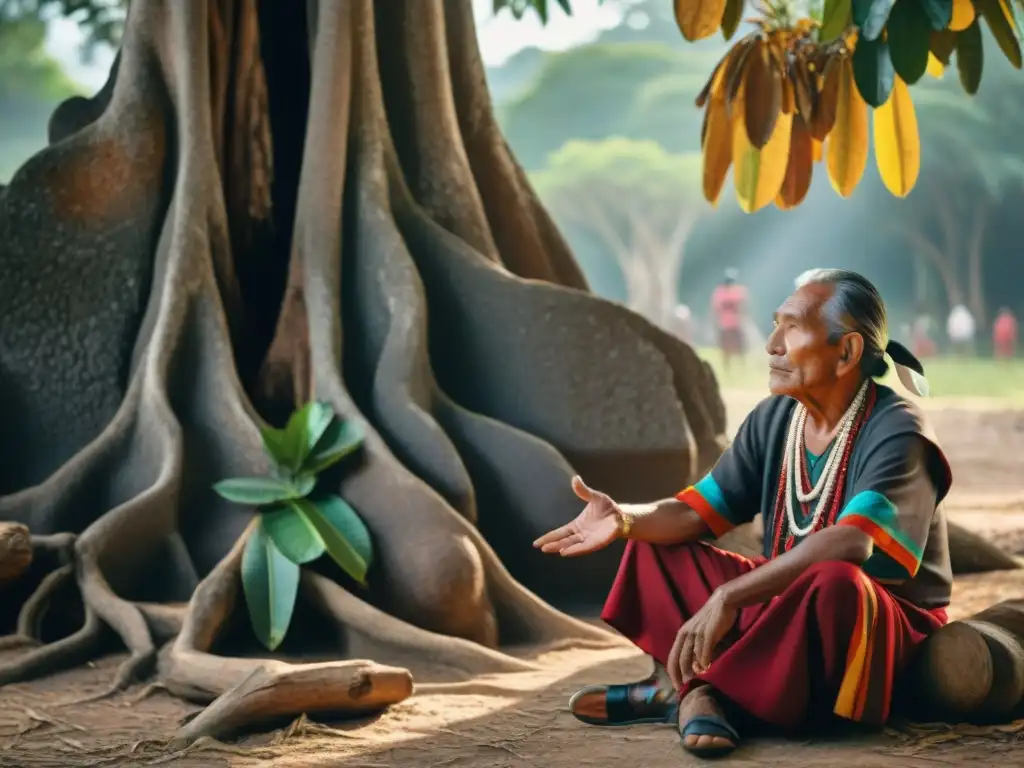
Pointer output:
513, 721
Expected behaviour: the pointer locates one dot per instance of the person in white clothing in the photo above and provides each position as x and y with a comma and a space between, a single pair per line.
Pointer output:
961, 328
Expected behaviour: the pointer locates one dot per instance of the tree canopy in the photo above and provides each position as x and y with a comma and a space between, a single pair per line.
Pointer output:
799, 79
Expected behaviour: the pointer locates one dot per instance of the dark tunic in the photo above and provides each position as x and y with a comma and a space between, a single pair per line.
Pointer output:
894, 486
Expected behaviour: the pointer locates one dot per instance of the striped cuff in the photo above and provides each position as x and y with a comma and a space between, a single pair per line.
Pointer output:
878, 517
706, 499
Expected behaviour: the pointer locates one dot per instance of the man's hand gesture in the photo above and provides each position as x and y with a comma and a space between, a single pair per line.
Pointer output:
594, 528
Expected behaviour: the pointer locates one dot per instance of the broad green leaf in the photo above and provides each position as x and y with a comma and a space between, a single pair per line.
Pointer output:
335, 521
340, 439
970, 58
305, 428
347, 522
911, 31
938, 12
257, 491
873, 71
293, 534
274, 444
1001, 18
835, 18
870, 16
271, 583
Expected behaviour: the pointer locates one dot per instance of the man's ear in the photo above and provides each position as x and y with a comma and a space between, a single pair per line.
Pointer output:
851, 350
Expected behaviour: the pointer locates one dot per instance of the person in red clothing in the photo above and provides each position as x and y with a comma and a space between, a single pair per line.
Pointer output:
1004, 334
729, 306
855, 571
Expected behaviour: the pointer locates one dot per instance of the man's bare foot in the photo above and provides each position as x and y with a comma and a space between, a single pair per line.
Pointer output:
699, 704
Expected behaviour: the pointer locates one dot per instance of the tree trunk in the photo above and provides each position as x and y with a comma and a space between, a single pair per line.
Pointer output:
231, 226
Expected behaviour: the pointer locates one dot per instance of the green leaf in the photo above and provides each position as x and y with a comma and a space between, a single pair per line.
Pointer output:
870, 16
293, 534
271, 583
732, 16
938, 12
834, 20
340, 439
343, 532
1001, 17
566, 7
909, 36
970, 57
274, 444
258, 491
873, 71
304, 429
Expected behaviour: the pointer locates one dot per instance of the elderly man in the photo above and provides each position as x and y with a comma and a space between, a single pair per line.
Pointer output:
855, 571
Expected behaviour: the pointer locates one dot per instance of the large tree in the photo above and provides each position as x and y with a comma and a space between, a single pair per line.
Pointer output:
232, 227
274, 202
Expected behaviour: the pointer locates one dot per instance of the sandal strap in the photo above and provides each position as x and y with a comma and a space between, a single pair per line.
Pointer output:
710, 725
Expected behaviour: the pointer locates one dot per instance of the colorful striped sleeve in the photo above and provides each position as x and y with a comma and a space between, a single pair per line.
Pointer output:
707, 500
894, 503
730, 494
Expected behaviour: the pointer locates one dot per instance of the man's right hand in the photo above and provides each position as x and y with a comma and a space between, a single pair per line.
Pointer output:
594, 528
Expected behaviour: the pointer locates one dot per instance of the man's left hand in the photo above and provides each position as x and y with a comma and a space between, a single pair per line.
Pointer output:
698, 638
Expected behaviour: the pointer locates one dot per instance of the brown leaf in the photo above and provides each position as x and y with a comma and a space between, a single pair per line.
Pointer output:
799, 167
762, 95
698, 19
825, 109
805, 89
788, 96
702, 97
737, 66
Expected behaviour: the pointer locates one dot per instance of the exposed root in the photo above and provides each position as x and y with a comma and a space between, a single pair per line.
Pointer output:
32, 611
252, 691
67, 652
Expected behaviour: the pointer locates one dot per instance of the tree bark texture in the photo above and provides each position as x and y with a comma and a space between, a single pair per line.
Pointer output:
265, 205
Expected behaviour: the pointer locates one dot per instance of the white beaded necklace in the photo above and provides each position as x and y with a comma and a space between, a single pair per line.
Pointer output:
794, 463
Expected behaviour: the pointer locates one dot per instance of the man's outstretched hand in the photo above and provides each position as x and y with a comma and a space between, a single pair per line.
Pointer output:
594, 528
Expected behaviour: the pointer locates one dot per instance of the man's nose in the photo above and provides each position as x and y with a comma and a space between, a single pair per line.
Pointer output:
772, 345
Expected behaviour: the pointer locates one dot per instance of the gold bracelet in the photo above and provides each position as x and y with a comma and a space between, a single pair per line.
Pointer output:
625, 523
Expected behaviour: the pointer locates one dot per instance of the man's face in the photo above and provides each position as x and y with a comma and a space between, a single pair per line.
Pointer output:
801, 358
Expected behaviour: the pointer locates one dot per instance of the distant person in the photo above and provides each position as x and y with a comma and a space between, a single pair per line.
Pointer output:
961, 328
921, 342
729, 307
682, 323
1004, 334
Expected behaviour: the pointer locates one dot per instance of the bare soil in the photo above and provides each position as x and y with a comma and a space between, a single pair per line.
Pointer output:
518, 720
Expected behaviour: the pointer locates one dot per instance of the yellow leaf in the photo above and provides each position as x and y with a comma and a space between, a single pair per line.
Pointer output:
848, 141
698, 19
758, 173
717, 149
935, 67
817, 151
897, 144
963, 15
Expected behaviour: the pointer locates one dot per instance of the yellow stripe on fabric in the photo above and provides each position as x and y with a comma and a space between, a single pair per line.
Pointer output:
853, 689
